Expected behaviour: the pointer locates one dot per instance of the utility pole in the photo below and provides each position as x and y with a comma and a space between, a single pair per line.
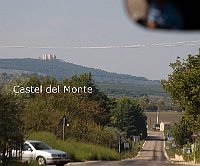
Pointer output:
120, 136
150, 123
63, 125
63, 122
157, 117
119, 148
195, 148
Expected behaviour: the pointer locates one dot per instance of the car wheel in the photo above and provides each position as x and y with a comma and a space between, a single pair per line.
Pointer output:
41, 161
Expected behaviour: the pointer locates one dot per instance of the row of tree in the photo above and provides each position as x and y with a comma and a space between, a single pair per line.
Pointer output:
150, 103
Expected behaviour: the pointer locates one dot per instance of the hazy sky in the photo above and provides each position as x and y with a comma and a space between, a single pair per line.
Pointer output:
72, 24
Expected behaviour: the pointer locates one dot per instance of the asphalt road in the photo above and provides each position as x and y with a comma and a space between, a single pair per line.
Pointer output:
152, 154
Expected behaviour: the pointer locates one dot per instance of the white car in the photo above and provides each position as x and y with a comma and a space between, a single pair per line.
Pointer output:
44, 154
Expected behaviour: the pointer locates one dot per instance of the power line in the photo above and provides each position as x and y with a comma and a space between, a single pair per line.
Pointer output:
171, 44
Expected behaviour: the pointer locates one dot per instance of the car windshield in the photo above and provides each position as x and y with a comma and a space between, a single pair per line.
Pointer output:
40, 146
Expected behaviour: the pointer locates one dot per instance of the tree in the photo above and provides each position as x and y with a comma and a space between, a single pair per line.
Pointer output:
181, 132
11, 127
152, 107
144, 102
129, 117
104, 102
160, 104
183, 86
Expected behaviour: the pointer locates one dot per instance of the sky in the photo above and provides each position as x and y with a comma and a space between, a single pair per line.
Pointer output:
71, 29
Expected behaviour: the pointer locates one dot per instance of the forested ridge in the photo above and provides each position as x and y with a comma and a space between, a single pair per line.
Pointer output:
111, 83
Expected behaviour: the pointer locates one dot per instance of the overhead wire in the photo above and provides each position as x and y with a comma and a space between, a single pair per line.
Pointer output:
170, 44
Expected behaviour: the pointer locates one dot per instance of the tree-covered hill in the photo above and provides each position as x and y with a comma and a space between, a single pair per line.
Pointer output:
61, 69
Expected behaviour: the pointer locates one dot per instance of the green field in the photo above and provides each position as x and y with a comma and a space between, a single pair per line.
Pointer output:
172, 117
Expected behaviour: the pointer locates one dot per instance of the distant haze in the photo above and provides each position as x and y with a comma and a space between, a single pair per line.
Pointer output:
72, 24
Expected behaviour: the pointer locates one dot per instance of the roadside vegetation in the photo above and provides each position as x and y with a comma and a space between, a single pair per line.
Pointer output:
183, 86
97, 123
83, 151
11, 126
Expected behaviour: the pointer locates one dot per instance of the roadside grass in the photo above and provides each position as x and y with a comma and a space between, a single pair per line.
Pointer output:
170, 150
133, 152
81, 151
20, 163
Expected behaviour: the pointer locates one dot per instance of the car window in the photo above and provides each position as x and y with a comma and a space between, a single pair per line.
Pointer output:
40, 146
26, 147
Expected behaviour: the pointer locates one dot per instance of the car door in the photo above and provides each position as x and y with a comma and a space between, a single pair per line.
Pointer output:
27, 153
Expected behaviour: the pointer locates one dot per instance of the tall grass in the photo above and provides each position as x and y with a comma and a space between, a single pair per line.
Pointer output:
20, 163
79, 151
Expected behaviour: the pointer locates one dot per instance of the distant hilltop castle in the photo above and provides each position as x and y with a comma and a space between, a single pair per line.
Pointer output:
48, 57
